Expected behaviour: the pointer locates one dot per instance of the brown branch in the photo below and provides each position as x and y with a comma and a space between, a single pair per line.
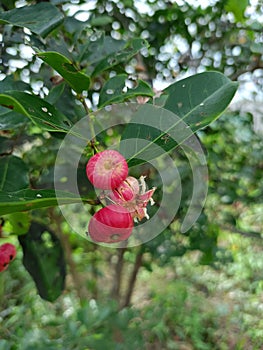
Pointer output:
254, 65
117, 278
133, 277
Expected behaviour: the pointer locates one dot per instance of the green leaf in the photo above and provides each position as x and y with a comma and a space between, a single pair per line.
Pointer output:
11, 120
38, 110
55, 93
6, 146
94, 51
72, 75
43, 258
114, 90
9, 83
238, 8
13, 174
200, 99
41, 18
189, 105
27, 199
101, 21
131, 49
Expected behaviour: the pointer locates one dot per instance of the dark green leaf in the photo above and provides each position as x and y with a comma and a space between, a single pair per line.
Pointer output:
72, 75
131, 49
101, 21
200, 99
190, 104
93, 51
13, 174
11, 120
6, 146
12, 202
9, 83
41, 18
38, 110
43, 258
55, 93
114, 90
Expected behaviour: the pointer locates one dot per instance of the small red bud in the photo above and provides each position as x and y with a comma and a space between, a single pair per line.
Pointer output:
106, 170
111, 224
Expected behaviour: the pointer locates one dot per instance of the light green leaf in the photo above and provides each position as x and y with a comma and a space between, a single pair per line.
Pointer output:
41, 18
18, 223
238, 8
71, 74
38, 110
114, 90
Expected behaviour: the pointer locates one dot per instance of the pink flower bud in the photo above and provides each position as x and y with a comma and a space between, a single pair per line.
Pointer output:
7, 254
111, 224
127, 191
106, 170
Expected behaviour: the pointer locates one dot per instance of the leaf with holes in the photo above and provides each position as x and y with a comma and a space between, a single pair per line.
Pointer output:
77, 80
13, 174
114, 90
36, 109
43, 258
41, 18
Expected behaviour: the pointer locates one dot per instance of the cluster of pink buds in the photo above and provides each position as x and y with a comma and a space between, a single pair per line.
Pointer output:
7, 254
126, 196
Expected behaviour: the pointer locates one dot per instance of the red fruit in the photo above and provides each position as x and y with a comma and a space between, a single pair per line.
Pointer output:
127, 191
111, 224
106, 170
8, 249
7, 254
4, 261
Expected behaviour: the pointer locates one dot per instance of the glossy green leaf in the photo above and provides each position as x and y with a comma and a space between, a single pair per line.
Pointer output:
41, 18
188, 105
13, 174
43, 258
71, 74
200, 99
27, 199
115, 90
38, 110
126, 53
